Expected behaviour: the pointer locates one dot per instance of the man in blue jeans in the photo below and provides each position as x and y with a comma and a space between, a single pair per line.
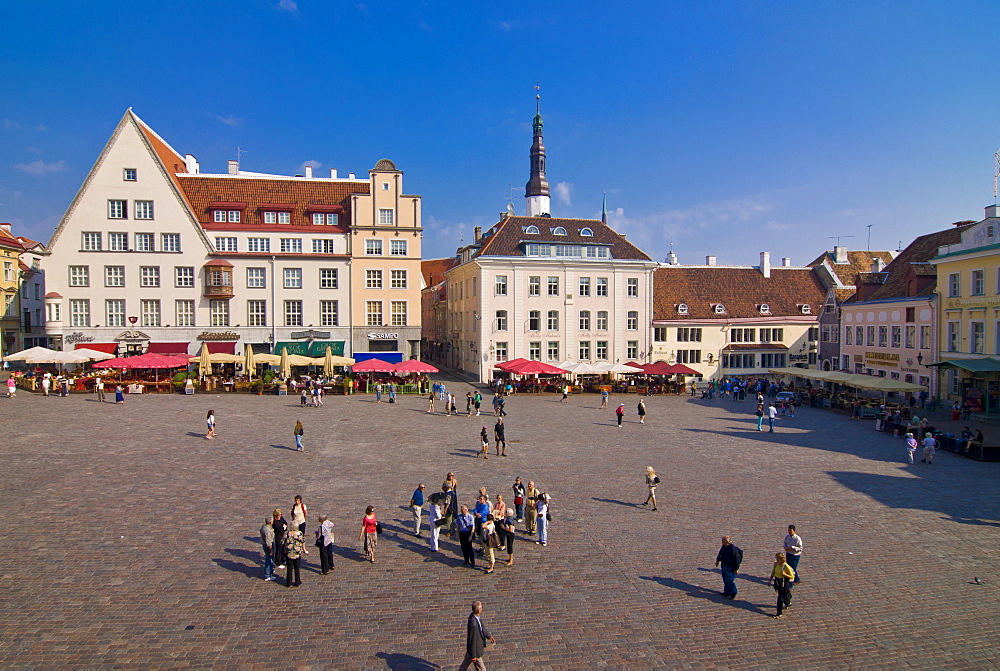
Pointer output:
267, 543
772, 414
730, 557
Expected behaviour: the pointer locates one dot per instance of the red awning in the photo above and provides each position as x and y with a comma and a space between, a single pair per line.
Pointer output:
106, 347
179, 348
222, 347
534, 368
373, 366
414, 366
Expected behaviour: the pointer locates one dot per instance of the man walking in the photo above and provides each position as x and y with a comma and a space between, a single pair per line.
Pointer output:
530, 512
730, 557
604, 399
772, 414
793, 550
99, 388
476, 637
417, 507
267, 544
499, 433
466, 525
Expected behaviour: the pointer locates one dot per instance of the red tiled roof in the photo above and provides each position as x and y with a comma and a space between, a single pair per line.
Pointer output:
858, 262
258, 192
433, 269
741, 290
505, 237
9, 241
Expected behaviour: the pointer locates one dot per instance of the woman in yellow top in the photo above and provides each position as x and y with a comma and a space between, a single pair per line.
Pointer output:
782, 576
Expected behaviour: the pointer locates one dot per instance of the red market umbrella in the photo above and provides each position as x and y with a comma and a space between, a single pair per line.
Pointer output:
657, 368
534, 368
505, 365
373, 366
145, 361
414, 366
681, 369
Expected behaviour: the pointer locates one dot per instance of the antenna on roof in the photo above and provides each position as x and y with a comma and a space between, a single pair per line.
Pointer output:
996, 174
838, 237
239, 153
510, 198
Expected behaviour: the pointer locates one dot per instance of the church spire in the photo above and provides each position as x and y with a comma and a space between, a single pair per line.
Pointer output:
604, 210
536, 191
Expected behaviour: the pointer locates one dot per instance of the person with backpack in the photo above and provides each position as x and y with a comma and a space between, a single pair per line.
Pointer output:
298, 432
730, 557
651, 481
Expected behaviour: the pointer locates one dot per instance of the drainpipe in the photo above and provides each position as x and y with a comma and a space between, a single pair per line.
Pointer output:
274, 340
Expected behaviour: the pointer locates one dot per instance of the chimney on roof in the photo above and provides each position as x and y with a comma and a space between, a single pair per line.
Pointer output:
993, 211
478, 234
765, 264
877, 264
234, 167
350, 175
191, 163
786, 262
333, 173
840, 254
671, 258
5, 228
309, 172
710, 260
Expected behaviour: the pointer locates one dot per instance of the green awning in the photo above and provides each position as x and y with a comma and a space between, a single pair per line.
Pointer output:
315, 348
981, 365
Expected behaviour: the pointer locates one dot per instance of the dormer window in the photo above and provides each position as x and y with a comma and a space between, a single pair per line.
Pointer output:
719, 308
558, 230
764, 308
531, 230
587, 232
805, 309
682, 309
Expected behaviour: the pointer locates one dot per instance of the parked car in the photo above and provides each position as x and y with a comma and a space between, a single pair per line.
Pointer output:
793, 397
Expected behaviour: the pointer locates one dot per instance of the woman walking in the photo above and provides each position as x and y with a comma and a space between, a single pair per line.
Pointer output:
911, 446
651, 481
295, 547
518, 499
324, 541
484, 443
119, 395
542, 507
299, 514
280, 526
642, 412
298, 433
782, 576
210, 421
369, 533
434, 514
492, 542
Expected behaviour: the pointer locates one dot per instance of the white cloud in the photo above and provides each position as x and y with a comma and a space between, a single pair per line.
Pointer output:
564, 192
10, 123
40, 167
311, 164
231, 120
288, 6
508, 26
41, 127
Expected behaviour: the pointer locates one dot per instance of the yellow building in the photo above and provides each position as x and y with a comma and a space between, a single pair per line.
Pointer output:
10, 319
968, 284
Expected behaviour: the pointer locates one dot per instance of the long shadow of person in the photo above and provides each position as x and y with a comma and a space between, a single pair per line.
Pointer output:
760, 580
699, 592
237, 567
621, 503
398, 661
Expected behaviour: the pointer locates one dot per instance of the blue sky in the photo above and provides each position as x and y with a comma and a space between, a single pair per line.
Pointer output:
727, 128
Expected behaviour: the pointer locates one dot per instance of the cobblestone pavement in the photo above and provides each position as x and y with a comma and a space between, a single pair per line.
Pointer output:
131, 541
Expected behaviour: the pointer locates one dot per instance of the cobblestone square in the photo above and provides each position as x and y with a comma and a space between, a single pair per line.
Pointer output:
131, 541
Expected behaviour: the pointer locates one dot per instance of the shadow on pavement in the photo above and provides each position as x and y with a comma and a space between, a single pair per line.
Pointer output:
237, 567
760, 580
699, 592
621, 503
349, 553
284, 447
397, 661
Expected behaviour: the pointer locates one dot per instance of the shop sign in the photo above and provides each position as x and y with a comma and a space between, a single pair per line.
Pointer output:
311, 335
74, 338
225, 335
798, 357
132, 335
383, 336
971, 303
882, 358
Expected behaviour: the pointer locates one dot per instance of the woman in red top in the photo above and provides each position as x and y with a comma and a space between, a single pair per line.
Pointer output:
369, 532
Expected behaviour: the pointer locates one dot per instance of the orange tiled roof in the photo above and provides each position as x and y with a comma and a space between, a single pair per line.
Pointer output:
741, 290
8, 241
433, 269
505, 238
858, 262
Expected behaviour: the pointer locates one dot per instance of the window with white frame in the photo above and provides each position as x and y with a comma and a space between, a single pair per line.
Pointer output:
277, 217
534, 285
602, 320
219, 310
386, 217
225, 244
91, 242
327, 278
602, 286
256, 278
601, 350
79, 276
954, 333
150, 311
687, 334
909, 336
129, 174
114, 276
293, 313
553, 286
293, 278
373, 313
687, 356
170, 242
219, 216
184, 312
373, 279
373, 248
79, 312
397, 248
501, 320
328, 313
144, 242
184, 276
143, 209
53, 312
896, 336
118, 242
397, 279
584, 320
977, 338
535, 351
978, 284
552, 350
831, 333
632, 320
257, 312
500, 285
584, 287
925, 337
291, 245
583, 349
115, 312
500, 351
552, 321
324, 246
233, 216
870, 339
149, 276
258, 244
883, 336
954, 285
632, 349
117, 209
632, 287
397, 310
535, 320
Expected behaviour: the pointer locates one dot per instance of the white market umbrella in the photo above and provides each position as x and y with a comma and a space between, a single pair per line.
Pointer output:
93, 354
30, 353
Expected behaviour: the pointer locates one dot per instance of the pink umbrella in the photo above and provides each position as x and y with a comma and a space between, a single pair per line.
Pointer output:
414, 366
505, 365
146, 361
534, 368
373, 366
681, 369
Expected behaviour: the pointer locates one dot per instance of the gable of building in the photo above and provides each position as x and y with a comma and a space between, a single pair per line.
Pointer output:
510, 236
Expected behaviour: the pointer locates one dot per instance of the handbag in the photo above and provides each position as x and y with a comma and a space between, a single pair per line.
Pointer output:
494, 540
548, 517
378, 528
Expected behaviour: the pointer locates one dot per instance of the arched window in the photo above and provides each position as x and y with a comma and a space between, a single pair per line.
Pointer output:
587, 232
682, 309
531, 230
558, 230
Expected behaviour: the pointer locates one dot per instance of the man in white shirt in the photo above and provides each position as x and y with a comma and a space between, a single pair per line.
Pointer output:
793, 550
772, 414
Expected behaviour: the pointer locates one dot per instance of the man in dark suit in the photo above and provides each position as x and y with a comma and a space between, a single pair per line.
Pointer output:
476, 636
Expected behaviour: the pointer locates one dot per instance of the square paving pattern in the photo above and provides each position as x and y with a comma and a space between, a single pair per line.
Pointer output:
131, 541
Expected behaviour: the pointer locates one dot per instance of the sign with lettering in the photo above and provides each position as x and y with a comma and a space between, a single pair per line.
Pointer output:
311, 335
225, 335
383, 336
971, 303
882, 358
74, 338
132, 335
